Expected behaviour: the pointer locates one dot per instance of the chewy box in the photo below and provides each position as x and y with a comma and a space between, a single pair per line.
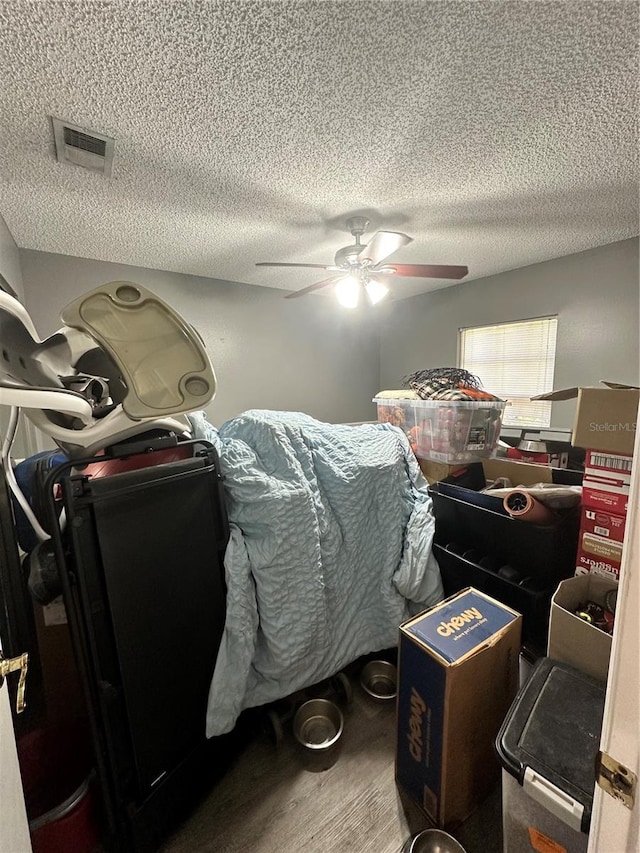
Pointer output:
458, 674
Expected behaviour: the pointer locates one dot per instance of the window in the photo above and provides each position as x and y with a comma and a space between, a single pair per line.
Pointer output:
514, 361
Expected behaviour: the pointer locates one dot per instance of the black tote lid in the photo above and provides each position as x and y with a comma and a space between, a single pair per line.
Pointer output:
553, 727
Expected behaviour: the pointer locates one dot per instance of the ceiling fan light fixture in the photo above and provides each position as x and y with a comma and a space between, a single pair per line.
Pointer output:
348, 291
376, 290
365, 265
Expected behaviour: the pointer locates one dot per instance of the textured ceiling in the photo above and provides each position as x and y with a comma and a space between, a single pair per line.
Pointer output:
496, 134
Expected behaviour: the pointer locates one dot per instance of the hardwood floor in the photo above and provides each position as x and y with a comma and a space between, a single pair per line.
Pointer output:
268, 802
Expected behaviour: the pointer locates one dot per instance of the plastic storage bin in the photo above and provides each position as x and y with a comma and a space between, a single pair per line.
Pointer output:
543, 552
445, 430
519, 563
547, 746
531, 598
477, 543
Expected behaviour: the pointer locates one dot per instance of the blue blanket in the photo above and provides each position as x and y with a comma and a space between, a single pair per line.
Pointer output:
330, 550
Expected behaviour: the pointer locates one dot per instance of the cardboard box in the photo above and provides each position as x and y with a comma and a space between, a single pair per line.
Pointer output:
571, 639
605, 418
614, 500
552, 460
588, 563
435, 471
600, 541
62, 688
458, 674
480, 473
467, 483
607, 482
599, 546
605, 497
611, 462
605, 524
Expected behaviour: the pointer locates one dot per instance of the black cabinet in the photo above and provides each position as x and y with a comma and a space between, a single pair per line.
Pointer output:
514, 561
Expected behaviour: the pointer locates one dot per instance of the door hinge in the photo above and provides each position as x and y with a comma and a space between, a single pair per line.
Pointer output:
616, 779
7, 665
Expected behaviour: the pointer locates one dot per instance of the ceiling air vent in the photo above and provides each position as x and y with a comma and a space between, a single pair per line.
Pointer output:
83, 147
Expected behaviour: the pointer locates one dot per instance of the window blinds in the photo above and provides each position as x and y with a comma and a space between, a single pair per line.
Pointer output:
515, 361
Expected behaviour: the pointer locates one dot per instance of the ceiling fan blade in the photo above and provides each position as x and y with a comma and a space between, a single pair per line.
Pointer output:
317, 286
310, 266
429, 270
383, 244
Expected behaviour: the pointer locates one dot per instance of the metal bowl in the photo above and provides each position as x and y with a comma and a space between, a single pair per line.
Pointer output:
317, 727
533, 446
318, 724
432, 841
379, 680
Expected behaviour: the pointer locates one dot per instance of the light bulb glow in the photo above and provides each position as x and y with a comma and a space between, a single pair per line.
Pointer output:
348, 291
376, 290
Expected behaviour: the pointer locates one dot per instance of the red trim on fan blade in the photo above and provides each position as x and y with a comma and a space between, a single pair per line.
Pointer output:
429, 270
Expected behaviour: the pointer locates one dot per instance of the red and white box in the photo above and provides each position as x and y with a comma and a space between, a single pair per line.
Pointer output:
598, 555
606, 482
603, 524
605, 496
590, 564
551, 460
602, 548
609, 500
597, 460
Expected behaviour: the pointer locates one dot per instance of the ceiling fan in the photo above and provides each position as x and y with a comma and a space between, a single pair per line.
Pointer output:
361, 267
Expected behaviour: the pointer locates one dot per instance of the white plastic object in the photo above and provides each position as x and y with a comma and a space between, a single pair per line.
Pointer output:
114, 427
161, 357
7, 444
12, 306
52, 399
556, 801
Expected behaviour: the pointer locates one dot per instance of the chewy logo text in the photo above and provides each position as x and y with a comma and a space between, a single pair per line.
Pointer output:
414, 736
446, 629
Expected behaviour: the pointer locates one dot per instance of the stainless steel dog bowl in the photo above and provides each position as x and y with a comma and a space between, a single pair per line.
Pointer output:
317, 727
532, 446
379, 679
432, 841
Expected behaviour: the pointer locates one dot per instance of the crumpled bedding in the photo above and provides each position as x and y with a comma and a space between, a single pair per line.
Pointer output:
330, 550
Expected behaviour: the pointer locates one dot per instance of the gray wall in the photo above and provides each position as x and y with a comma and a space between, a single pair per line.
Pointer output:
308, 355
268, 352
594, 294
10, 259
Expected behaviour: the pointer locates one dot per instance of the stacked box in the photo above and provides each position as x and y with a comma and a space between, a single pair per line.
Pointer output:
458, 674
605, 417
572, 639
605, 496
